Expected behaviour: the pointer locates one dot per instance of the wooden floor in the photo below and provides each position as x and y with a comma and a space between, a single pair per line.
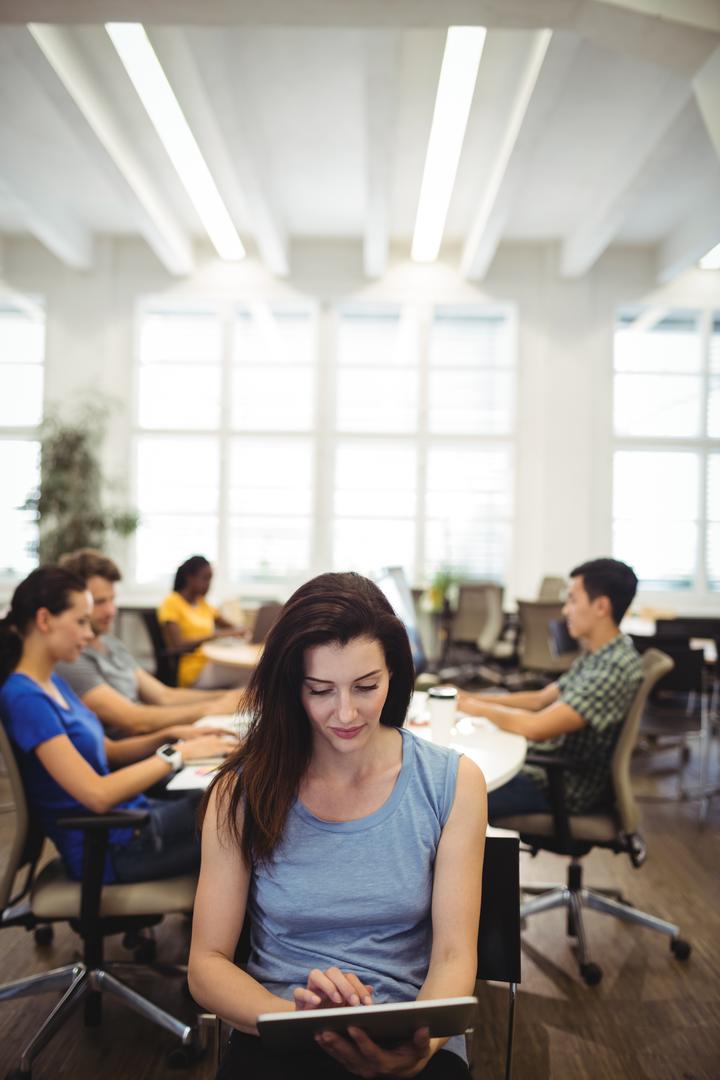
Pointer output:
651, 1018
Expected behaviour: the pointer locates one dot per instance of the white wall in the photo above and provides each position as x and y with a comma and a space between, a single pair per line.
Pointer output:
565, 331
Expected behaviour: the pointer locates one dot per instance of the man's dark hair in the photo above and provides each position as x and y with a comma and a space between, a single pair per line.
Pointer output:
611, 578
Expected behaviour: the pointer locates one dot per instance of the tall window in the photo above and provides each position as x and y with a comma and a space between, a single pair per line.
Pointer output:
22, 348
394, 448
666, 500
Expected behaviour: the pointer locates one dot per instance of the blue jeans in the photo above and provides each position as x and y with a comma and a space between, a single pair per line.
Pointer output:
167, 845
521, 795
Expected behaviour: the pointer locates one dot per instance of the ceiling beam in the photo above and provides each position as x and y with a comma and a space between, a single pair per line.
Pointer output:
706, 85
53, 226
380, 99
704, 14
612, 196
219, 114
489, 219
160, 229
692, 238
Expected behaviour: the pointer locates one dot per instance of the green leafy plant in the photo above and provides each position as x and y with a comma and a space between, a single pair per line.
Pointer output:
69, 506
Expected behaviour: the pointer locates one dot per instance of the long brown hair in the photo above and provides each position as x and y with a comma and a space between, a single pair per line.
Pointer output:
264, 774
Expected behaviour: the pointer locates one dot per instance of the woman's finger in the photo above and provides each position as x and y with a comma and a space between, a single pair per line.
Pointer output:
306, 999
320, 982
363, 992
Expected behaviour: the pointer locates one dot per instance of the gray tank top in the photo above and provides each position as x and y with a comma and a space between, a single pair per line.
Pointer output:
357, 894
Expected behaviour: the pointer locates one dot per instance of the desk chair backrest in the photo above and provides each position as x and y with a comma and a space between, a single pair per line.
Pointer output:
479, 614
552, 588
655, 665
499, 934
535, 653
166, 665
27, 841
267, 615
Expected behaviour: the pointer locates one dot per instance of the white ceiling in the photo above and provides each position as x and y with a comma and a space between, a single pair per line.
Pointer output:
314, 122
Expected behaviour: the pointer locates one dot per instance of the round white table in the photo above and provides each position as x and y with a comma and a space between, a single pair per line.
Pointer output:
500, 754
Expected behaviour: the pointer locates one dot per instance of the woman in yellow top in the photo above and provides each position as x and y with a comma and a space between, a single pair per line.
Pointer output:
188, 621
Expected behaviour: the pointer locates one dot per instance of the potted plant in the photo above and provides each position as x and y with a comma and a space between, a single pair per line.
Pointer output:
69, 505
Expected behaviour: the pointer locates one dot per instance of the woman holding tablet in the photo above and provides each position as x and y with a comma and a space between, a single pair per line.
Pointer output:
354, 846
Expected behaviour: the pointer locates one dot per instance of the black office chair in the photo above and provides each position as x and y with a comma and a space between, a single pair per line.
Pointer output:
94, 911
166, 661
614, 827
499, 934
498, 945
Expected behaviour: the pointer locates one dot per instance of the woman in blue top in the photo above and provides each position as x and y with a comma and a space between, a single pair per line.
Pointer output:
63, 754
355, 847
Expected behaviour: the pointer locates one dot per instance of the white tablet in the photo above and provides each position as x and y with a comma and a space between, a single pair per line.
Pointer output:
385, 1024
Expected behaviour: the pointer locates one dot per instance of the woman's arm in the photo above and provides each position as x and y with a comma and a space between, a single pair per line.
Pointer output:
178, 644
220, 902
100, 793
210, 743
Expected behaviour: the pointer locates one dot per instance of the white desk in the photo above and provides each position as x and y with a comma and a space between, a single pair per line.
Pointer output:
500, 754
233, 653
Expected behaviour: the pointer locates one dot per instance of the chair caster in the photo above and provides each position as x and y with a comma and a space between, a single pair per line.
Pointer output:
142, 946
182, 1057
591, 974
679, 948
43, 935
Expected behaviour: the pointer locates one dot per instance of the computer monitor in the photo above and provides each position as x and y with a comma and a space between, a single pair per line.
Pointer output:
392, 581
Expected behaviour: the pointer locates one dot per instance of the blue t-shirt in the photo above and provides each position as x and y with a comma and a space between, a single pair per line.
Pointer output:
31, 717
357, 894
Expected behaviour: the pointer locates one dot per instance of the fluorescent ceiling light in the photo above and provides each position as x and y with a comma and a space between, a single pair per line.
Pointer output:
147, 76
461, 59
711, 261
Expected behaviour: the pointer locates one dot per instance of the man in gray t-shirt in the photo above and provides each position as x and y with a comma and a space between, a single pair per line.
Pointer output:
108, 679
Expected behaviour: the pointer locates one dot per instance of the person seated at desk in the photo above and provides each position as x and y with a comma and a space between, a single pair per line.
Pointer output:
355, 846
108, 679
63, 755
580, 714
188, 621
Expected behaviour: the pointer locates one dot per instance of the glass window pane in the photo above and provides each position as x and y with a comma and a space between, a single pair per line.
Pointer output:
714, 407
269, 548
662, 405
385, 339
655, 504
474, 403
654, 486
163, 541
19, 477
713, 487
179, 396
22, 339
180, 338
715, 345
670, 346
662, 554
265, 335
469, 502
367, 545
375, 480
176, 474
273, 398
469, 340
713, 559
21, 395
375, 400
270, 477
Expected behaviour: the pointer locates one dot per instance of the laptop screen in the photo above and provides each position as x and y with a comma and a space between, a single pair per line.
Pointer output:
394, 584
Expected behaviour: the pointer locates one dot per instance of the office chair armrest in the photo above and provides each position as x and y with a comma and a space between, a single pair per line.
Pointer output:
115, 819
551, 761
555, 766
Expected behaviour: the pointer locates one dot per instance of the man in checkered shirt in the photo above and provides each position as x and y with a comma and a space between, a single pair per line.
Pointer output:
581, 714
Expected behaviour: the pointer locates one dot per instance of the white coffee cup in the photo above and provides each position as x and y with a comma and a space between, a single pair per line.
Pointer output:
441, 704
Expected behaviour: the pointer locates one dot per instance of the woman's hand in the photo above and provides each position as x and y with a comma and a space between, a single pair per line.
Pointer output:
207, 746
332, 988
189, 733
363, 1057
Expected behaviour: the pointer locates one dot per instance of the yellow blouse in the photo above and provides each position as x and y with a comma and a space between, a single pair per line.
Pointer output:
195, 620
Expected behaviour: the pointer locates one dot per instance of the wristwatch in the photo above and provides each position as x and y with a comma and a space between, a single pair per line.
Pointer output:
171, 756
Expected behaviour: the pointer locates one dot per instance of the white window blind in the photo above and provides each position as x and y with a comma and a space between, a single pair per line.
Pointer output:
22, 349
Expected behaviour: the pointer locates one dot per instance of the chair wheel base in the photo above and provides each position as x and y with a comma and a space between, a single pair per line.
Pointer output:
182, 1057
43, 935
591, 973
681, 949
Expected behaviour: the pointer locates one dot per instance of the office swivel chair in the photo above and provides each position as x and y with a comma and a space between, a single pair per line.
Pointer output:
614, 828
536, 654
94, 911
166, 660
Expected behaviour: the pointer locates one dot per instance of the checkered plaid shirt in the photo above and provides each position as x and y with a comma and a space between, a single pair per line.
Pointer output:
600, 686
